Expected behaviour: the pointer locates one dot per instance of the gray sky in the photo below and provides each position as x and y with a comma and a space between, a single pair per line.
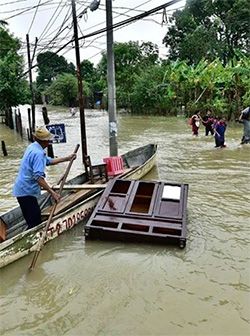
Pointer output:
44, 22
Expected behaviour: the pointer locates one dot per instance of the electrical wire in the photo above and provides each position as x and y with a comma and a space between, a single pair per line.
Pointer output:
60, 31
12, 2
34, 16
25, 10
49, 24
117, 25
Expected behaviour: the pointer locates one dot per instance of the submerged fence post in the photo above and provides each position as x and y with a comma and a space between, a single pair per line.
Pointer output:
19, 122
4, 148
10, 121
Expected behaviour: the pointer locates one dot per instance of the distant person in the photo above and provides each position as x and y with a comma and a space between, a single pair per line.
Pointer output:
207, 121
73, 111
245, 120
31, 177
195, 123
98, 104
219, 127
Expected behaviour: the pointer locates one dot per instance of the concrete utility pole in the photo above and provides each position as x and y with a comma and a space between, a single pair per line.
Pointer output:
31, 85
111, 82
80, 87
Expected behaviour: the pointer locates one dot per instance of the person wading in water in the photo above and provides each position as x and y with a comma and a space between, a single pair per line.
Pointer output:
245, 120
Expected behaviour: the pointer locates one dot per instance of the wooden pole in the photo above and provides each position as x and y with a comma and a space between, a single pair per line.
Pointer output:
30, 128
10, 121
80, 186
4, 148
46, 121
20, 122
44, 235
113, 148
31, 84
80, 88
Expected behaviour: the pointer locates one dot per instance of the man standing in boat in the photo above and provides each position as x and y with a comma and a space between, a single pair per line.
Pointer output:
31, 177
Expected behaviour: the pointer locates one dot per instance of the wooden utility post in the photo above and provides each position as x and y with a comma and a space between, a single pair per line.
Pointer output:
80, 87
111, 82
31, 85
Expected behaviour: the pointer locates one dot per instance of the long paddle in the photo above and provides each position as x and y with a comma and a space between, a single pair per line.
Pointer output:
42, 240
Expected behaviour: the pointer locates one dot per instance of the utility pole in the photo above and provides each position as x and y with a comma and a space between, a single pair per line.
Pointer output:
111, 82
80, 88
31, 85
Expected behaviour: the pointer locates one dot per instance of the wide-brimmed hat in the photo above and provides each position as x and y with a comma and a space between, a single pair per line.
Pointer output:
43, 134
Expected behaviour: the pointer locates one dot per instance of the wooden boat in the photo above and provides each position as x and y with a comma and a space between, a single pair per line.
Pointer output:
74, 208
141, 211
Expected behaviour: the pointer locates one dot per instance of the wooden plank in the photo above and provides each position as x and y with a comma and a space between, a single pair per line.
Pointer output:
81, 186
66, 202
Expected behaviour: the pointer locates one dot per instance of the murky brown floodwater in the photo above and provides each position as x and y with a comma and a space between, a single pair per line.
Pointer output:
102, 288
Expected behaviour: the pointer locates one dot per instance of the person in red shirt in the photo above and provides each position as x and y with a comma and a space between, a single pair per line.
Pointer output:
195, 123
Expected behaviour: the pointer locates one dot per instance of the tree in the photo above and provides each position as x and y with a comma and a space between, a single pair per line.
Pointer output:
88, 71
13, 90
209, 29
63, 90
90, 76
49, 66
130, 59
148, 95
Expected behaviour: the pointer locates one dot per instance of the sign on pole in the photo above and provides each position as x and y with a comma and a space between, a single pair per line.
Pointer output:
59, 132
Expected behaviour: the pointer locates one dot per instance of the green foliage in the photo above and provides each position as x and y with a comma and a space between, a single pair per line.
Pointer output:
90, 77
63, 90
209, 29
149, 92
147, 86
130, 58
163, 89
13, 90
88, 71
49, 66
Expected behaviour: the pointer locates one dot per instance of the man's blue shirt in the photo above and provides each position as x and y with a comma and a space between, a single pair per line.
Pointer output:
32, 167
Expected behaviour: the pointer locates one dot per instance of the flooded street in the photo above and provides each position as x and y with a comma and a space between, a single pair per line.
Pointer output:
112, 288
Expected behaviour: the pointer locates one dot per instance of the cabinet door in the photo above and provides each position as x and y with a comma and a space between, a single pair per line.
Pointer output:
170, 201
115, 197
142, 198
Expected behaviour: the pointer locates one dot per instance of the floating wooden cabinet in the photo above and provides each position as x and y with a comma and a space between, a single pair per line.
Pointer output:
142, 211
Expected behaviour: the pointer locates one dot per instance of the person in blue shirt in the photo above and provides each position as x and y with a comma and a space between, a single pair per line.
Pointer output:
31, 177
219, 128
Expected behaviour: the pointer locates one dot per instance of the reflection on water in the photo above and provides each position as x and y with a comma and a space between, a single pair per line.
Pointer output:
112, 288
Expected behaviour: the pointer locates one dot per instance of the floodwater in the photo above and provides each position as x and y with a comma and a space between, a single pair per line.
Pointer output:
112, 288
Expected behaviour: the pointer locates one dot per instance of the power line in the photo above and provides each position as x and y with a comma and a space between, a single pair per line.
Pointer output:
12, 2
34, 16
117, 25
24, 10
60, 31
49, 24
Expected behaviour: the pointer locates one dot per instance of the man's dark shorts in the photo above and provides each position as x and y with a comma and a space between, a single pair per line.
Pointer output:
31, 210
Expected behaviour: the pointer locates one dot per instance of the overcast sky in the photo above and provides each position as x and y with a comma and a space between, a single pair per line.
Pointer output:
44, 22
